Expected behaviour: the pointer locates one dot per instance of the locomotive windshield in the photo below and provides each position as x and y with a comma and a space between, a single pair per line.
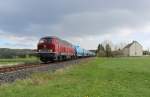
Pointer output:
49, 40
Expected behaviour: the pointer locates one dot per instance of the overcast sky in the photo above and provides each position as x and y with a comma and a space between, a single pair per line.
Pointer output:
84, 22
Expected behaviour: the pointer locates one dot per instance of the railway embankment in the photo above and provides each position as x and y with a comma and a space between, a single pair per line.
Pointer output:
10, 74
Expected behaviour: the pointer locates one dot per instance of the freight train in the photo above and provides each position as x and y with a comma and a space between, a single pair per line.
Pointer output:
52, 48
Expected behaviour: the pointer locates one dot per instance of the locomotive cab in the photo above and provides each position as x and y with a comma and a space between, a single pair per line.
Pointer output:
46, 49
45, 45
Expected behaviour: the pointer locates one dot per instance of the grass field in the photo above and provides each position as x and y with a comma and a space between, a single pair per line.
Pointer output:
101, 77
5, 62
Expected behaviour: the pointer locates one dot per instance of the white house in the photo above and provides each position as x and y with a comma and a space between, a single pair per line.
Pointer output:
133, 49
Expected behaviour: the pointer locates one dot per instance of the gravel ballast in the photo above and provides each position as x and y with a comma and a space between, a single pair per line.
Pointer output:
10, 77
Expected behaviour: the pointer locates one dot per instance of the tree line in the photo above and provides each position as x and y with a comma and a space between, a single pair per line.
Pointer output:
104, 51
16, 53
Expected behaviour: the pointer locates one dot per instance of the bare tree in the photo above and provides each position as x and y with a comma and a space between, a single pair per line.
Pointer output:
106, 42
108, 50
100, 51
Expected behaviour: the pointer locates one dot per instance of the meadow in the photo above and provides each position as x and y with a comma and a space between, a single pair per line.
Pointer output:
101, 77
14, 61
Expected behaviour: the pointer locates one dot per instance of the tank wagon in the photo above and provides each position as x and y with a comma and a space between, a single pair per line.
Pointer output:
80, 52
52, 48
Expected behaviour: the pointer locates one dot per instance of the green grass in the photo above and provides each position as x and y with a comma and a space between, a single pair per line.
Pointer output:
101, 77
5, 62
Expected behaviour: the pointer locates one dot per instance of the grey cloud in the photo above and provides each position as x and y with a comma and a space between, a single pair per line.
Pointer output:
92, 23
18, 16
71, 18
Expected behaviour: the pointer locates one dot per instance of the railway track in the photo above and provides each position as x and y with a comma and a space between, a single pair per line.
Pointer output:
17, 67
6, 69
11, 73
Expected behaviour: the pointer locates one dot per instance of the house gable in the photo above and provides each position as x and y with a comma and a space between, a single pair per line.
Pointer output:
133, 49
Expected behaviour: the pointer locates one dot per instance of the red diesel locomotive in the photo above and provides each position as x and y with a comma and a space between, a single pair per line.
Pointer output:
54, 49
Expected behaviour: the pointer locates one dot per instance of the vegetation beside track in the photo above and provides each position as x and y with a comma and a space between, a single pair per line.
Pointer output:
101, 77
13, 61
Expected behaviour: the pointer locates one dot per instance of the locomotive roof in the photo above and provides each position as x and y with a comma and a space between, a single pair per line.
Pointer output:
50, 37
62, 41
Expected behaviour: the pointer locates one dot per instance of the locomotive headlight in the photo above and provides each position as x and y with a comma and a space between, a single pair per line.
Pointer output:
50, 50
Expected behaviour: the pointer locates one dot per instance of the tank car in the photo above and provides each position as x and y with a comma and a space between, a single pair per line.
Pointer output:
79, 51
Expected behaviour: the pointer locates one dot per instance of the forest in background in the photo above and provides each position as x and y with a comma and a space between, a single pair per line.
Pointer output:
16, 53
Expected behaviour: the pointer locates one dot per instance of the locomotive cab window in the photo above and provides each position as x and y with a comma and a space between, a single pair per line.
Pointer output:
42, 41
48, 40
